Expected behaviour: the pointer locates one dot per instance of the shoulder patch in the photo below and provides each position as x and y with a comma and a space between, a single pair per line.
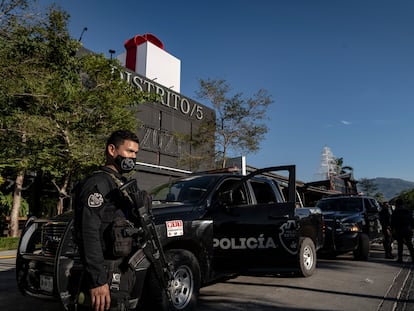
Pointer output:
95, 199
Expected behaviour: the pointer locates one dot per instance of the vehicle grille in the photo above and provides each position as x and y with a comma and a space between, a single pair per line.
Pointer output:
52, 233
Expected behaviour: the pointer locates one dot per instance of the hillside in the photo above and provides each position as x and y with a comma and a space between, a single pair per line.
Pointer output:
391, 187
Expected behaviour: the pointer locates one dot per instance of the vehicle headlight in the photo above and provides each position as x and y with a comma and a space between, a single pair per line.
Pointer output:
350, 227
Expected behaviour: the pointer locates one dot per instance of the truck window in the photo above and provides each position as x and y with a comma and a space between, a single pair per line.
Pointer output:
239, 194
371, 205
263, 192
189, 190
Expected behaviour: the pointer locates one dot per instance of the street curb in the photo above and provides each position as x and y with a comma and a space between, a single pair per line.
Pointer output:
8, 254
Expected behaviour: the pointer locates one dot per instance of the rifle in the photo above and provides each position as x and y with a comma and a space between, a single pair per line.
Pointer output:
144, 230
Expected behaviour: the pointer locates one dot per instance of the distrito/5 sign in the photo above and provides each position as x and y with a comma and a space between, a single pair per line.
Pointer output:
169, 98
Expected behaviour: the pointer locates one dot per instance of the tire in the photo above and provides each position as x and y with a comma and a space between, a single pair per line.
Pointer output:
307, 257
186, 283
184, 289
362, 251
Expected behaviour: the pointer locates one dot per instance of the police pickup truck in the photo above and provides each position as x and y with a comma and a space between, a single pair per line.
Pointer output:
207, 226
351, 224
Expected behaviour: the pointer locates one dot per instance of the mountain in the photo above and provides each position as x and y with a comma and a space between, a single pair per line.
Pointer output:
391, 187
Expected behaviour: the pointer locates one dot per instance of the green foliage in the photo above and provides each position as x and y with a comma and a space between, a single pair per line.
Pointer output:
408, 198
379, 197
8, 243
57, 105
239, 124
340, 168
6, 202
48, 206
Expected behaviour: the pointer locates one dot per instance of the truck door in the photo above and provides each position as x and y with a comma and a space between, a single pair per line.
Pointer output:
237, 227
279, 223
246, 234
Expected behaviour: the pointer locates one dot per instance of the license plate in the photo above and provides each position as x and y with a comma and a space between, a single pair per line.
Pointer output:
46, 283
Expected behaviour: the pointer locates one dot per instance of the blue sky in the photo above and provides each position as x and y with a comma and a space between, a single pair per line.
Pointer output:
341, 73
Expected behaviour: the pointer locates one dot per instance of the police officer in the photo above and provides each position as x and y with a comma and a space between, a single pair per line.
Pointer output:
401, 223
96, 206
385, 220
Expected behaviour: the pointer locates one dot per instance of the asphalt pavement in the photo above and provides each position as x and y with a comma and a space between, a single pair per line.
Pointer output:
403, 281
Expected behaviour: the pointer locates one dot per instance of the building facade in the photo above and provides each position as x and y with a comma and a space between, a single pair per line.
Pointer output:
168, 124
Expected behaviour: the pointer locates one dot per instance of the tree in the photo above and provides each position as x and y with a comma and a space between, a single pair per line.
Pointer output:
239, 126
12, 14
408, 198
57, 106
340, 168
10, 9
379, 196
367, 186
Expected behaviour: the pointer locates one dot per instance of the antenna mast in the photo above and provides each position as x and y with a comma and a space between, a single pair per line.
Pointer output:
328, 165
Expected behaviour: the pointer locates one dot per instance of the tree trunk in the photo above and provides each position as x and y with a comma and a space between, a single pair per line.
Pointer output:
17, 198
223, 163
59, 206
63, 194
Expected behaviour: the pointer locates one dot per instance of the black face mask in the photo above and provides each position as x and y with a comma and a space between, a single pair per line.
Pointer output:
125, 165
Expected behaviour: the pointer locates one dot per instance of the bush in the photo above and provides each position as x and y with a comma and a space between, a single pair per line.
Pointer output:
7, 243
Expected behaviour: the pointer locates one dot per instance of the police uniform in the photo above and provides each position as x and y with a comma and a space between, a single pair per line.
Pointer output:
385, 220
401, 222
98, 202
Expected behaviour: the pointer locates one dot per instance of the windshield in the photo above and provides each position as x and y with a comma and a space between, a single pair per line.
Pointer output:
341, 205
186, 190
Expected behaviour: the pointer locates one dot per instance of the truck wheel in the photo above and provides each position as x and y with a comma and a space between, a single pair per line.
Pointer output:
362, 251
185, 286
307, 257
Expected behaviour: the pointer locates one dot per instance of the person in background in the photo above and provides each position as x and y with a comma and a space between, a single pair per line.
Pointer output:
401, 224
385, 220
